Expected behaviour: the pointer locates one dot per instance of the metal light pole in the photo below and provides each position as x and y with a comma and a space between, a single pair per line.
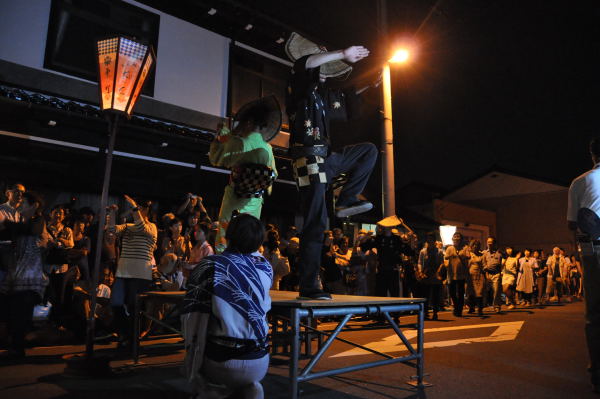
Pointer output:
387, 136
388, 189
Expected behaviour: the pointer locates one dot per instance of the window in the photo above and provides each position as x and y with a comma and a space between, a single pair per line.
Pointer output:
76, 25
253, 76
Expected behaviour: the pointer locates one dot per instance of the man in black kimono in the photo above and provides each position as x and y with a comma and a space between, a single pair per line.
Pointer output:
310, 106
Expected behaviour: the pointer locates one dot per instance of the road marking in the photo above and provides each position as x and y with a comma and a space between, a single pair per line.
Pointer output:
506, 331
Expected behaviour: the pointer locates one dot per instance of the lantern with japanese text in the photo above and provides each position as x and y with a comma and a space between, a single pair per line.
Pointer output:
123, 66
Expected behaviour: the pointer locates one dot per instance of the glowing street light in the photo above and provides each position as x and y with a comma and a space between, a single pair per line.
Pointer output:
388, 191
400, 56
446, 232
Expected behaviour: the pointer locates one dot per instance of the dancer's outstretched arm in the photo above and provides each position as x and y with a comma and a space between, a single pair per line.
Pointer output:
351, 54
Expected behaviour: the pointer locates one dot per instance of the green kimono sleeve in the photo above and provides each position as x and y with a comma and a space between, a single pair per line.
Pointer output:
227, 152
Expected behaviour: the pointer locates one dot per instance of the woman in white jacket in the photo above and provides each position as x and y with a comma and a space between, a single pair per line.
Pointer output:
527, 264
279, 263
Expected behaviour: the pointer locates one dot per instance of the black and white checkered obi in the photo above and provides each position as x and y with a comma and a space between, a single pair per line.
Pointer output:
251, 180
309, 169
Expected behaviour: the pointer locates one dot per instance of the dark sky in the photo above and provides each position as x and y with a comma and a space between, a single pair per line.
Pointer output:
495, 82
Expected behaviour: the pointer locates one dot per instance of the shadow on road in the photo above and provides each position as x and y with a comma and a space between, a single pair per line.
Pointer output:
276, 387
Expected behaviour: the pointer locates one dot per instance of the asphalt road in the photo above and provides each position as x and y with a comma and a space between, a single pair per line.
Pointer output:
533, 353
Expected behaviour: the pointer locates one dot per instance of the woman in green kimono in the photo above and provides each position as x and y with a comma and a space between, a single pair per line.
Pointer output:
254, 125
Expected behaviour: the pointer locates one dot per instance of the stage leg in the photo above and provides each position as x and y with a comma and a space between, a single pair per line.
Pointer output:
295, 352
421, 341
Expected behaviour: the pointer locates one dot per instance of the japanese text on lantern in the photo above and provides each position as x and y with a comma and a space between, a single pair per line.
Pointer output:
131, 55
107, 55
143, 76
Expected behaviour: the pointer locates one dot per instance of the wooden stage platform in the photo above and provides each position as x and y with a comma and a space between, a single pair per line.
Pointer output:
292, 322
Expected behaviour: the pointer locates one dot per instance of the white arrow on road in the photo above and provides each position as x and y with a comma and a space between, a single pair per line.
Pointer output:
506, 331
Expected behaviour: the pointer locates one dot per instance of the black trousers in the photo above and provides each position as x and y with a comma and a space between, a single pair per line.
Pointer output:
457, 293
590, 260
433, 295
16, 309
387, 281
355, 160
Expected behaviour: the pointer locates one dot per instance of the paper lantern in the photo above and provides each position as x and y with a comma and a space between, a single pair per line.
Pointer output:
123, 66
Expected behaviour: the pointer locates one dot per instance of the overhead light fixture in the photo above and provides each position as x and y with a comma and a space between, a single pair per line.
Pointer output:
249, 26
280, 40
212, 11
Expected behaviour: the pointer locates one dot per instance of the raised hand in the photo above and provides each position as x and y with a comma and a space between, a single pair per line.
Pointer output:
355, 53
130, 201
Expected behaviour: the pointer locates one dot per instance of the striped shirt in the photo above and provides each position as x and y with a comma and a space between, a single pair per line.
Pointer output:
139, 241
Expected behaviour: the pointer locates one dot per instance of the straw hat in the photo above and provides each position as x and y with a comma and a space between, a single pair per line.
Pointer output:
274, 118
390, 221
298, 46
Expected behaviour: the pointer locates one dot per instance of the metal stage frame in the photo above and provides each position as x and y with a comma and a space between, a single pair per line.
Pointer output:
175, 297
287, 309
286, 306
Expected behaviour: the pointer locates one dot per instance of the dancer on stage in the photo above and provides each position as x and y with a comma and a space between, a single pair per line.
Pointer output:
248, 154
310, 106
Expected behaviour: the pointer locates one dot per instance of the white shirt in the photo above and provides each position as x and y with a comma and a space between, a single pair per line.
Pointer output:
584, 193
9, 213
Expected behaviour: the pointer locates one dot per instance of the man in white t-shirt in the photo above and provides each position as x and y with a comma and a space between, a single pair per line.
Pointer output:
582, 216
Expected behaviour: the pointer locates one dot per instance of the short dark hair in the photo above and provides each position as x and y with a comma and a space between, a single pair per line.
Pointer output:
244, 234
14, 186
272, 240
474, 243
32, 197
58, 206
170, 224
199, 226
595, 146
78, 219
86, 210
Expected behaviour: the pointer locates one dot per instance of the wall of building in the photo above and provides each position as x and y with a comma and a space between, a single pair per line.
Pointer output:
533, 220
463, 215
192, 63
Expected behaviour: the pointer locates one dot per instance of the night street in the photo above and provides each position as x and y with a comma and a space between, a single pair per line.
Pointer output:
533, 352
299, 199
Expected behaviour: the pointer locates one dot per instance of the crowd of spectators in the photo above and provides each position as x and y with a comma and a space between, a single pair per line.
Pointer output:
47, 261
47, 258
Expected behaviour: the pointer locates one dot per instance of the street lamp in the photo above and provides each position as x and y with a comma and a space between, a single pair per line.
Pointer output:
400, 56
388, 186
123, 66
446, 233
